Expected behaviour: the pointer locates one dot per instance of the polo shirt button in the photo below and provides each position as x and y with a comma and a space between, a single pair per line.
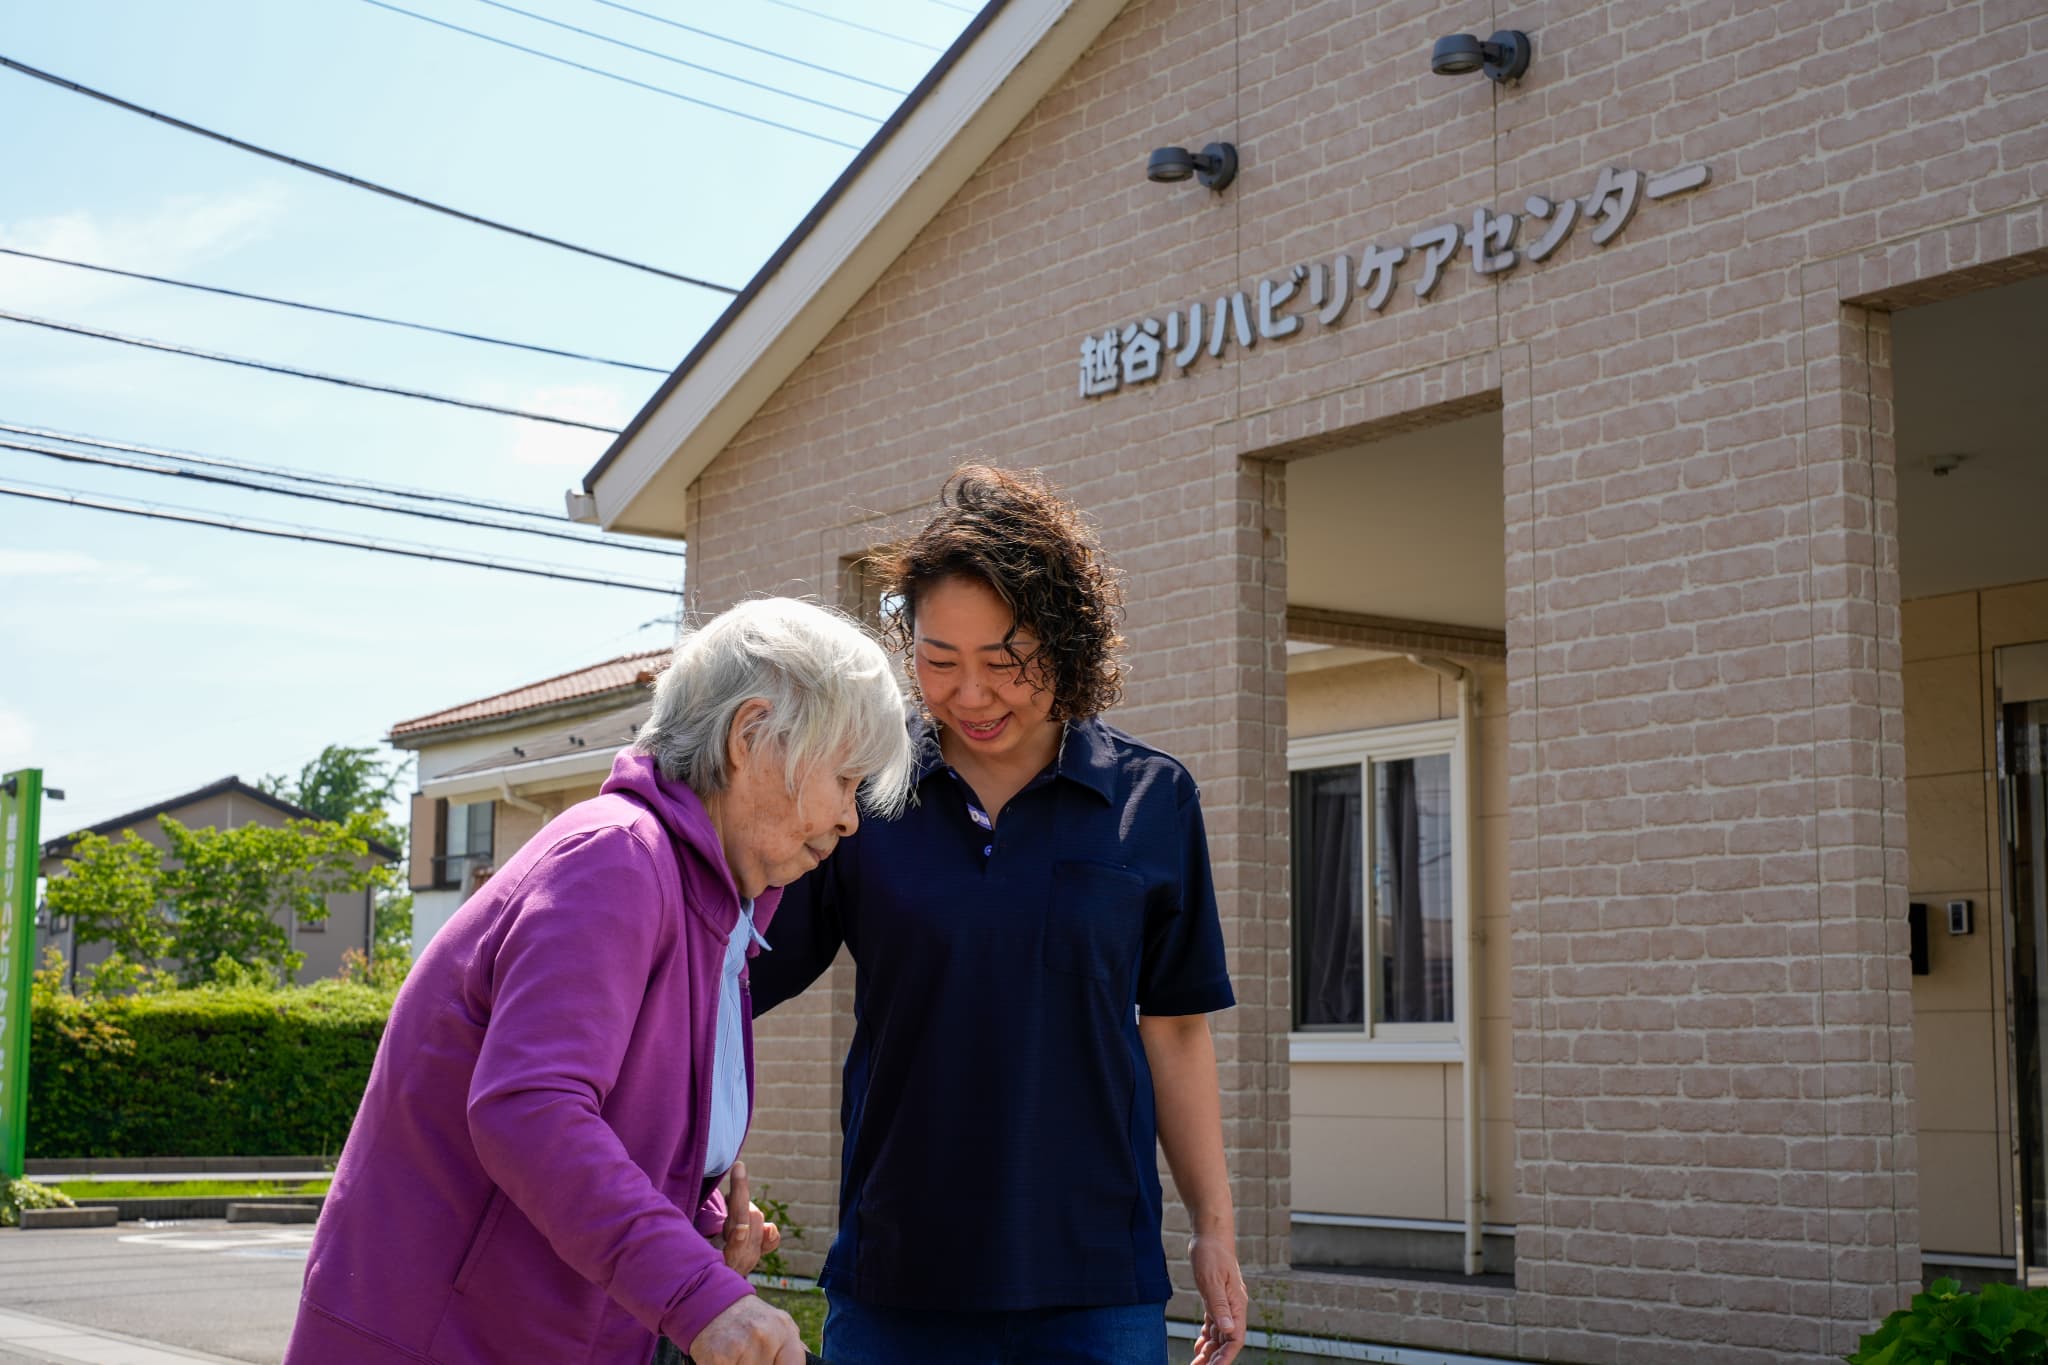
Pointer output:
988, 850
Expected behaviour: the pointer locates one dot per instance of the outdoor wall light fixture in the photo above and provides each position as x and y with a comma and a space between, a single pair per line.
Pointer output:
1215, 165
1503, 57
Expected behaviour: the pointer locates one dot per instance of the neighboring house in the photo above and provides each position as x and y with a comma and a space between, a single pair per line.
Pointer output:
1678, 399
225, 804
492, 772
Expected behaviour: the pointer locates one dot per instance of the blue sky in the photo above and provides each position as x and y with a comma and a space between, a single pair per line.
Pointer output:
142, 659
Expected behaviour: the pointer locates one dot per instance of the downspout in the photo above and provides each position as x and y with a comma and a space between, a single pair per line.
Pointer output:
517, 802
1468, 739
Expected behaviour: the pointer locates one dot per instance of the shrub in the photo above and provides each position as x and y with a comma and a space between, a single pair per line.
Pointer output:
16, 1195
232, 1069
2003, 1325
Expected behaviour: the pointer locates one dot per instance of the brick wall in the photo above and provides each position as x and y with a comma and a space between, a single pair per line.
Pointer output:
1706, 774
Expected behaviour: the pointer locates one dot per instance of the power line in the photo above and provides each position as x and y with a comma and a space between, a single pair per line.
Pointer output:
663, 56
228, 481
269, 367
346, 179
957, 9
333, 312
835, 19
72, 498
609, 75
279, 472
734, 42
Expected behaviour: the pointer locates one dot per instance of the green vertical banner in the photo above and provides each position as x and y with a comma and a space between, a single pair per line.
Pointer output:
21, 801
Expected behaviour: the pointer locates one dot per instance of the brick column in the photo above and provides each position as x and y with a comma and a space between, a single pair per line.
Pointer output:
1866, 1153
1712, 1015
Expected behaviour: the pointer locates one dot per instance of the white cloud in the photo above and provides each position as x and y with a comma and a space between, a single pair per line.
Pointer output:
180, 232
77, 567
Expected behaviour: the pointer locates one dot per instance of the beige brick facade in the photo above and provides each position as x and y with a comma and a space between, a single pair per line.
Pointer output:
1712, 1077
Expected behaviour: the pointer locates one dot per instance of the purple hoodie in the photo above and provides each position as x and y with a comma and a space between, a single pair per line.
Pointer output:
525, 1178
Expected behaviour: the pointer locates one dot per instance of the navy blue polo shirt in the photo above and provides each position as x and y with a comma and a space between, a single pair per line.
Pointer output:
997, 1106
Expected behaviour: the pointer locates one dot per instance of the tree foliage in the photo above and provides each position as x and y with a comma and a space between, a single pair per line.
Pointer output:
217, 895
226, 888
112, 891
346, 780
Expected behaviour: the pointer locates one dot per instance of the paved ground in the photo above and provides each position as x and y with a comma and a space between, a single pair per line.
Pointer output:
142, 1294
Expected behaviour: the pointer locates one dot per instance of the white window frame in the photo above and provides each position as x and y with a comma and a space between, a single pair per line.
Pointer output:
1377, 1042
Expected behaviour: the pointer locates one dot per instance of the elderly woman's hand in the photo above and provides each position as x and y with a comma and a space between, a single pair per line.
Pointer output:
748, 1234
749, 1332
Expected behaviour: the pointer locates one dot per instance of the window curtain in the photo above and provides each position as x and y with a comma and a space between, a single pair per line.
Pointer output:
1329, 912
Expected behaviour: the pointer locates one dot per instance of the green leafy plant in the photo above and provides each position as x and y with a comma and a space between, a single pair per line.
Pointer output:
227, 887
112, 891
776, 1211
2002, 1325
16, 1195
238, 1067
218, 893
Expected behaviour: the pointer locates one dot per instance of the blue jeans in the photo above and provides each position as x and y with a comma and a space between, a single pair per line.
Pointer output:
1126, 1334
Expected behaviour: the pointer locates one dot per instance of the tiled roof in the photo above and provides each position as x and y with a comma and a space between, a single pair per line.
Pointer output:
61, 845
625, 674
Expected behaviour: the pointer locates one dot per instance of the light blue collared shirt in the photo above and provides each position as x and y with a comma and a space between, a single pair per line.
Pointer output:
729, 1062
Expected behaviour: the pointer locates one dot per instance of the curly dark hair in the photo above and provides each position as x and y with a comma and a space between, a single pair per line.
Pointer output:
1014, 532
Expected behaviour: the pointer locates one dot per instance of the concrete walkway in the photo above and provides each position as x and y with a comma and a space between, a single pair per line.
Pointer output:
45, 1341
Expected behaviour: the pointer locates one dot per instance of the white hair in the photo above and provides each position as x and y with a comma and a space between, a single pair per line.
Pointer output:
832, 697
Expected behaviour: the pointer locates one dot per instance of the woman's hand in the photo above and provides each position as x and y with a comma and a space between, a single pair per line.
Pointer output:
1224, 1298
1183, 1061
748, 1234
749, 1332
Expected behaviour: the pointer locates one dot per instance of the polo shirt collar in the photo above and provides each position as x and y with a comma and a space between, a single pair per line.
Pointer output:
1086, 755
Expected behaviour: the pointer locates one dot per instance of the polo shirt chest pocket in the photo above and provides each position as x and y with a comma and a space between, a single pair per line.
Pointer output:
1096, 921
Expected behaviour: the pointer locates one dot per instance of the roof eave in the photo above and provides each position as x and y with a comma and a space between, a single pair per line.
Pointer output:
566, 708
1006, 60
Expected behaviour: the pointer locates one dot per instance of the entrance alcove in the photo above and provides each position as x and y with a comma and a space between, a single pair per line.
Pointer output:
1398, 819
1972, 488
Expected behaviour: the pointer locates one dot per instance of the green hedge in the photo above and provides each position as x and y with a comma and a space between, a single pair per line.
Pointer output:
237, 1071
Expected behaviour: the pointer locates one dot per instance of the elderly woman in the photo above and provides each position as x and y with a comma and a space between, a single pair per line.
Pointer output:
1036, 948
567, 1072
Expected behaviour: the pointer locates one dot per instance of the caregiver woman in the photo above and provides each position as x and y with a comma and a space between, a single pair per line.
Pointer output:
568, 1069
1036, 947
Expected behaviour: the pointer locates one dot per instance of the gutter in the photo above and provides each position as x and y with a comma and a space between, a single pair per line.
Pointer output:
580, 763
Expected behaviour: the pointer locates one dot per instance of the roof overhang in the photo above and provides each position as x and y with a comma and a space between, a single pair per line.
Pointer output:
1007, 60
563, 770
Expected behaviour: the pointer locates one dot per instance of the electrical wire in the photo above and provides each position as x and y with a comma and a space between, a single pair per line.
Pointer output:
272, 368
332, 312
835, 19
228, 481
734, 42
289, 475
492, 38
373, 187
663, 56
73, 498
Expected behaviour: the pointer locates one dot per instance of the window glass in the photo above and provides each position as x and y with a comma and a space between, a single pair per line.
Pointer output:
1412, 853
468, 841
